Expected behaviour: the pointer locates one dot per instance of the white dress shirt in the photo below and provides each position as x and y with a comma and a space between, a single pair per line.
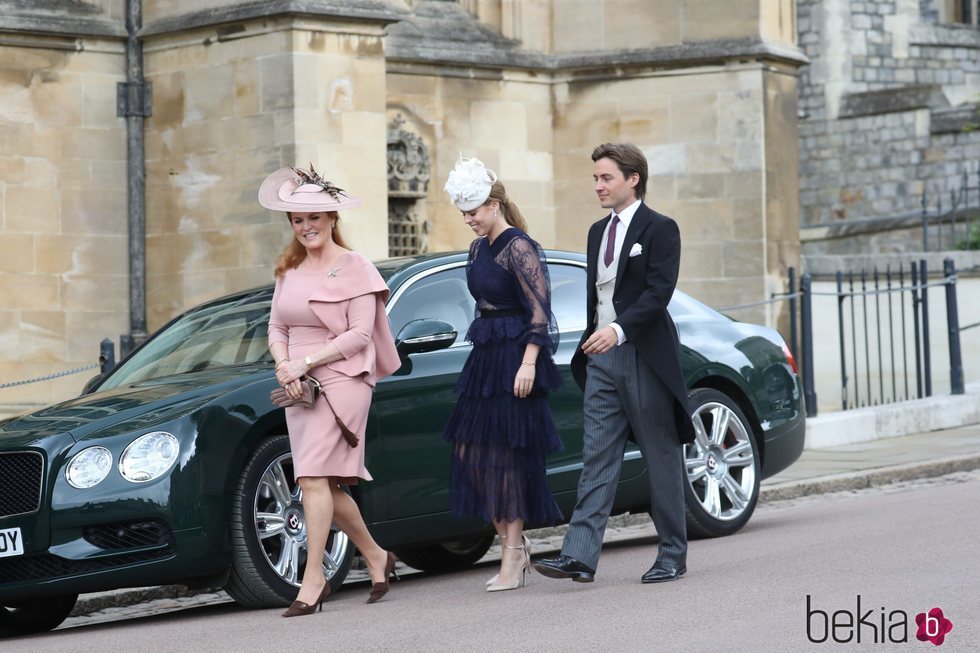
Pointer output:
624, 218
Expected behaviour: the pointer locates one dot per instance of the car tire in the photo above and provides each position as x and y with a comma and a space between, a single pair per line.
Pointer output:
447, 556
37, 616
722, 467
268, 569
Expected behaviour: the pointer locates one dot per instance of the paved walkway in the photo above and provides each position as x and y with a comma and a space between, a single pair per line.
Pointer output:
875, 462
818, 471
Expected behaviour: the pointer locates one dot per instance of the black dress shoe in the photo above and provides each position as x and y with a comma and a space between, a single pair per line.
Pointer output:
661, 573
565, 567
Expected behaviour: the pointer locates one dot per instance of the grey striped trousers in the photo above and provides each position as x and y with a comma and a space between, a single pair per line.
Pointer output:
623, 394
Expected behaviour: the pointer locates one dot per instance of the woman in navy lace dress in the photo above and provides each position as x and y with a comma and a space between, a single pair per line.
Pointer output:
501, 428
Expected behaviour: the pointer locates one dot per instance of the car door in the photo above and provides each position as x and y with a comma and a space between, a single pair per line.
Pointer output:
412, 406
568, 305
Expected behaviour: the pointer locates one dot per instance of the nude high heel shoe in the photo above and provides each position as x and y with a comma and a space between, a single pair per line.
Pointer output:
494, 578
527, 555
521, 579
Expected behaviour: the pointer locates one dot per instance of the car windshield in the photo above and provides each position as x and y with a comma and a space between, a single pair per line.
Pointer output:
219, 334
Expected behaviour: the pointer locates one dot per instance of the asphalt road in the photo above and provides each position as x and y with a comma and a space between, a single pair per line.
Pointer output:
904, 549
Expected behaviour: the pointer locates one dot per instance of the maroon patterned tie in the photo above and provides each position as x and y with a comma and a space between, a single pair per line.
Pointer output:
611, 242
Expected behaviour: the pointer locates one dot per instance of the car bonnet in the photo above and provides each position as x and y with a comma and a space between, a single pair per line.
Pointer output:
128, 408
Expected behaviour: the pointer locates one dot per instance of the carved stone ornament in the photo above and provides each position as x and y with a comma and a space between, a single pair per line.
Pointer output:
408, 162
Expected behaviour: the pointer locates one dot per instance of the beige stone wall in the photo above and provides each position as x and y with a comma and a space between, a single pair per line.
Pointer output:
613, 24
506, 123
719, 142
528, 21
63, 243
777, 20
712, 162
578, 25
233, 102
229, 111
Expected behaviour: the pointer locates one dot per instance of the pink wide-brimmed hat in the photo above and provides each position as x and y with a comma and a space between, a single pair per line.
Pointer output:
303, 191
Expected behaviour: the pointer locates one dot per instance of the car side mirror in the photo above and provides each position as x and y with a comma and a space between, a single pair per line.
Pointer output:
420, 336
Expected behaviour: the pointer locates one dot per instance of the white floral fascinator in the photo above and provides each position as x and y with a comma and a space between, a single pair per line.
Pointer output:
469, 183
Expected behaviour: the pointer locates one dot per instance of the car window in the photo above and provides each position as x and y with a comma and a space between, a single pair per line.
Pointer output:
568, 296
440, 296
215, 335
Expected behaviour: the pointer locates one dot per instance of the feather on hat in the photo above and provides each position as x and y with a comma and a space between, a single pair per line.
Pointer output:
303, 191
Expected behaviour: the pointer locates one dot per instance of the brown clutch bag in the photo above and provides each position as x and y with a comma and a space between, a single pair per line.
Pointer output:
311, 392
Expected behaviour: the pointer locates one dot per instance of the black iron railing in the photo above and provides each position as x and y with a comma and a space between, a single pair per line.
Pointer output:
879, 304
962, 221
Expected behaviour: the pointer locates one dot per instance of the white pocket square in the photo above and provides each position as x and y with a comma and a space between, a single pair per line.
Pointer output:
636, 250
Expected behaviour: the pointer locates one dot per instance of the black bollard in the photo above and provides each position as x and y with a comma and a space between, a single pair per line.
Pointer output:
107, 355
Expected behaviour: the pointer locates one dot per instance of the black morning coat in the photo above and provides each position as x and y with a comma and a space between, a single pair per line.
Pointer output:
644, 286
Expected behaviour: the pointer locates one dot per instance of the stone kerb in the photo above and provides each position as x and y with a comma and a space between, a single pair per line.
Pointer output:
903, 418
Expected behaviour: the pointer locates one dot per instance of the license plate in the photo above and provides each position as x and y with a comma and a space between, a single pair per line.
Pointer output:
11, 543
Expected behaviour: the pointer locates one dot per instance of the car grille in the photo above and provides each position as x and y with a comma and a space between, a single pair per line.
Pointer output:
45, 565
128, 535
21, 474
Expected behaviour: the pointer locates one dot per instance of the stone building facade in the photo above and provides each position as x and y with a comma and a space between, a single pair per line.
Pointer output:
383, 95
890, 109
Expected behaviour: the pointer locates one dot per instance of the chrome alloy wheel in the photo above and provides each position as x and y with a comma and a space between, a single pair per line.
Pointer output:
280, 525
721, 464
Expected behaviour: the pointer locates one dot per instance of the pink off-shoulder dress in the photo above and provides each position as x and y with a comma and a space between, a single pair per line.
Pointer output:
302, 303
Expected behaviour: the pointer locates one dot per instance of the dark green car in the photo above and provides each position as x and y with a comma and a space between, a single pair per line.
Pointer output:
175, 467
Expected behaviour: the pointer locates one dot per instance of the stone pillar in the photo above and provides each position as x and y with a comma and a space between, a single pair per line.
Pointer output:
63, 274
237, 95
782, 186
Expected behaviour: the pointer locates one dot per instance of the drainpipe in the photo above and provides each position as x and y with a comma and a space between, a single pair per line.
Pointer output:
133, 101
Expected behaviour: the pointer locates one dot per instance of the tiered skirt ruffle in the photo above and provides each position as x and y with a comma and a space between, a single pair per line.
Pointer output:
500, 441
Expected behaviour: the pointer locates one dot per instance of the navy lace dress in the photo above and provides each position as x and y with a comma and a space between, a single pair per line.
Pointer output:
500, 441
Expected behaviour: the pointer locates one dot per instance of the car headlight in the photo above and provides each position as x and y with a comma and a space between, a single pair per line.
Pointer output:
148, 457
88, 467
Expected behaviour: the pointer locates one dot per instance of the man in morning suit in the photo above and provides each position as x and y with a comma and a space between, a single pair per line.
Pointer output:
628, 364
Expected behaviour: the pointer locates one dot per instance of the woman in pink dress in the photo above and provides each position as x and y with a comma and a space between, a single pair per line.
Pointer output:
328, 321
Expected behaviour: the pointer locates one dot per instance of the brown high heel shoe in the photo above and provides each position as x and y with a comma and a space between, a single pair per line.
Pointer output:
300, 609
378, 590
